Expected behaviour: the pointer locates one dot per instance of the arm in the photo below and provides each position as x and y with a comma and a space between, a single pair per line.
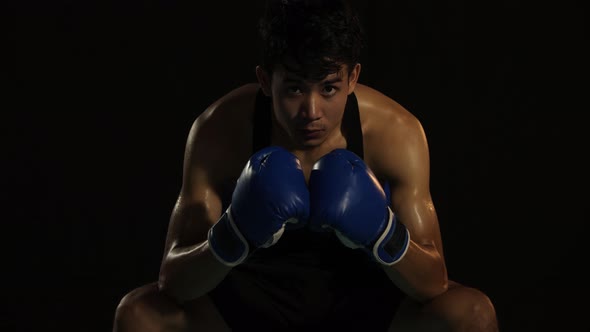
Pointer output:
188, 268
421, 273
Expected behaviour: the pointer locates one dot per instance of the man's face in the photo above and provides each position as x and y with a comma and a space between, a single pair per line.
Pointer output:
309, 112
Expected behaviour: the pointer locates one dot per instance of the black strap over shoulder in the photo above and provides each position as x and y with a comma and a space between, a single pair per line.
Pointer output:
351, 125
262, 122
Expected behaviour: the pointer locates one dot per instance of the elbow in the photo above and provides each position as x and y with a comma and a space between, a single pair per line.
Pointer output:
169, 288
442, 282
429, 284
168, 285
440, 287
428, 294
439, 282
436, 288
164, 284
164, 277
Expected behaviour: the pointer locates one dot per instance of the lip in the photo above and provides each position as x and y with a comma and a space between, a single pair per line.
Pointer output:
310, 129
311, 133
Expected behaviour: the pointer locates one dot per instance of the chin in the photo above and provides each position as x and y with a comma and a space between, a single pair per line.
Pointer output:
310, 143
307, 140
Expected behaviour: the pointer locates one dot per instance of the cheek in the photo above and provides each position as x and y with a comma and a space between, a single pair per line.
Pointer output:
283, 116
285, 110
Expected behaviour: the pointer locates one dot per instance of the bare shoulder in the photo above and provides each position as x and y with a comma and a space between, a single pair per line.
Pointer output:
215, 148
219, 141
380, 112
390, 131
229, 111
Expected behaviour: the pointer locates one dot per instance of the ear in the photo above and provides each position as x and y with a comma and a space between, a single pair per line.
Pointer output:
353, 77
264, 80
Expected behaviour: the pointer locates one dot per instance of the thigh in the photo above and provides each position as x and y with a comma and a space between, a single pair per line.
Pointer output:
146, 308
460, 308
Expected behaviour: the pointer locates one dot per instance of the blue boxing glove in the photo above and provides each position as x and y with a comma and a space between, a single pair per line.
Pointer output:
347, 198
270, 192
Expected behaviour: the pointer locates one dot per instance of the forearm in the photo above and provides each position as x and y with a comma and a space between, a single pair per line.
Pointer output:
421, 273
190, 272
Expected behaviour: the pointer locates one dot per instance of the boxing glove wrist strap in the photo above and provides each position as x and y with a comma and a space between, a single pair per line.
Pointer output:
226, 241
393, 244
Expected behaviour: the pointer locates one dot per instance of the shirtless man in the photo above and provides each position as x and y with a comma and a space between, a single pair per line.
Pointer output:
305, 202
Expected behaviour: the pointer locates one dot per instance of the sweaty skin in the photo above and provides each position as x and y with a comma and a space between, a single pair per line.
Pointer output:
306, 120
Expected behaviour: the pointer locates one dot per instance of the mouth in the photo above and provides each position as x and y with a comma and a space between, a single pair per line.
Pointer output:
311, 133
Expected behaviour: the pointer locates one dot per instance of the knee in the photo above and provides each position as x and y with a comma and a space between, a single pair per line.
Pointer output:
129, 310
147, 309
139, 310
469, 309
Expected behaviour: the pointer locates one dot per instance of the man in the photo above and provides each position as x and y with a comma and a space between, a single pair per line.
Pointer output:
305, 202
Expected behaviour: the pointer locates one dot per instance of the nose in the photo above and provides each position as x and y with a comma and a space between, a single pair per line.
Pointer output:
311, 108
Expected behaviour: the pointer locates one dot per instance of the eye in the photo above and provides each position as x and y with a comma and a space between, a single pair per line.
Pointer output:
329, 90
293, 90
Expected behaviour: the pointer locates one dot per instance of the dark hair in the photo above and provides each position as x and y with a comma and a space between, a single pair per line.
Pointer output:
312, 38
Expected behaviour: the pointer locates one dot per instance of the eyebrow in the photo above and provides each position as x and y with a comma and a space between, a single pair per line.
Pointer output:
326, 82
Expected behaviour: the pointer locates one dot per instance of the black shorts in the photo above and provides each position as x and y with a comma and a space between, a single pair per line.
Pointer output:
287, 295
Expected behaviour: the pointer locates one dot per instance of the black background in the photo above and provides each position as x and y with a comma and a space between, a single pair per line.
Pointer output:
106, 92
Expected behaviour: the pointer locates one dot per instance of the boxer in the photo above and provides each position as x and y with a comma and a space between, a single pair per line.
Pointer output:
305, 202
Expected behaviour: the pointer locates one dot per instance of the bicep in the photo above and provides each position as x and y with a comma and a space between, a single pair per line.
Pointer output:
199, 203
192, 216
415, 209
409, 176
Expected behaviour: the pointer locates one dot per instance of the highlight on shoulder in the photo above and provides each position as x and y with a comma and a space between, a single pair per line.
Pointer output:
237, 102
225, 127
381, 112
